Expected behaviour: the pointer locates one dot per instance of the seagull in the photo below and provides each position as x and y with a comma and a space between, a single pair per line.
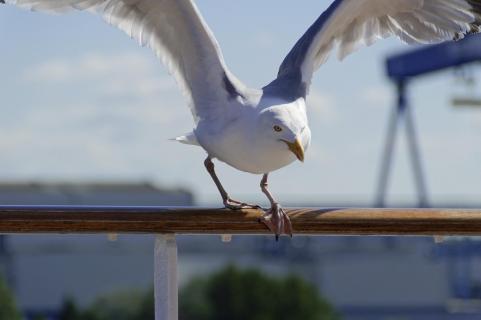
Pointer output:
262, 130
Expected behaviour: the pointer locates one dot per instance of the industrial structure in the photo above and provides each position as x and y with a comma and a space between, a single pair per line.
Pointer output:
401, 69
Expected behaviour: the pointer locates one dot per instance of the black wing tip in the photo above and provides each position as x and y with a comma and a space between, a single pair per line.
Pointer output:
476, 10
2, 1
475, 27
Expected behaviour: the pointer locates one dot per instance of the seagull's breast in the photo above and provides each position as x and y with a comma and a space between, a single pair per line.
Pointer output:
244, 153
236, 144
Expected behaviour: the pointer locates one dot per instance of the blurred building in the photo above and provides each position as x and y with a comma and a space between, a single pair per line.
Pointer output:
45, 269
115, 193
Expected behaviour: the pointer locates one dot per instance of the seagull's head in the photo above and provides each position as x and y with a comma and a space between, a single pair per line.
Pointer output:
286, 127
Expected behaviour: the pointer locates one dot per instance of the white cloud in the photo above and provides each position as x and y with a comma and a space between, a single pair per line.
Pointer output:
377, 96
476, 118
119, 84
125, 74
88, 66
322, 106
264, 39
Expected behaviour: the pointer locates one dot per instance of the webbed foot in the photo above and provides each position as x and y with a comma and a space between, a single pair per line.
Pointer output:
277, 220
238, 205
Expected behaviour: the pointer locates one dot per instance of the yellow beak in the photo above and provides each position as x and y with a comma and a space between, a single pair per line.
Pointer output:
296, 148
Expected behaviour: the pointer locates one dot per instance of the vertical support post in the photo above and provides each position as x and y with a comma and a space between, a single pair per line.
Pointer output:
165, 277
416, 160
389, 147
402, 109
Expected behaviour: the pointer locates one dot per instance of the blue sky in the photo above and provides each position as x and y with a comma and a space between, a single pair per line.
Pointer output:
81, 101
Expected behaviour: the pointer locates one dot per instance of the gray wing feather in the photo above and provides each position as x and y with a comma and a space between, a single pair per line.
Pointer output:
350, 24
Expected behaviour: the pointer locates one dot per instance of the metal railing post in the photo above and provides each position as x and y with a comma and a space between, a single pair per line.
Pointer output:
165, 277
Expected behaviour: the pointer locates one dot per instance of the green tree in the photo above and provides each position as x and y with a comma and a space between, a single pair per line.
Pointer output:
146, 310
8, 308
230, 294
69, 310
123, 305
233, 294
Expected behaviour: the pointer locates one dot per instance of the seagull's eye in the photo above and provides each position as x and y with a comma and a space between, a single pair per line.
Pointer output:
277, 128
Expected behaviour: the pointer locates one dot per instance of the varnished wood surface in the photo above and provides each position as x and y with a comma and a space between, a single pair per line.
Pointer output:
335, 221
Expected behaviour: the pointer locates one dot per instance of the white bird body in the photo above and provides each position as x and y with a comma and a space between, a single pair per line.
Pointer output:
260, 131
254, 152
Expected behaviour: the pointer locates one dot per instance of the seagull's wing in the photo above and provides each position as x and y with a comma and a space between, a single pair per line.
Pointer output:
176, 32
348, 24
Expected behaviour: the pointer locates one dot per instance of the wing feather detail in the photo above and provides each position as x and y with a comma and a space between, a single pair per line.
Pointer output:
350, 24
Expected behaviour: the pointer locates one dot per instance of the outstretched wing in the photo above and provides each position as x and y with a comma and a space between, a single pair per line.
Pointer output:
176, 32
348, 24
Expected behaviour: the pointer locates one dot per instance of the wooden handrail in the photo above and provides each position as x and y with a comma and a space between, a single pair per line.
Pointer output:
191, 220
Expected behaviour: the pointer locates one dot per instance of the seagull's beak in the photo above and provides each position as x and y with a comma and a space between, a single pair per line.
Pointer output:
296, 148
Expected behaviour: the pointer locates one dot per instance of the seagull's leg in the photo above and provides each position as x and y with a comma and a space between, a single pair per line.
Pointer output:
228, 202
276, 219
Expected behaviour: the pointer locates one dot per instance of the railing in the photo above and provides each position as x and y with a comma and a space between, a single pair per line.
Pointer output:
167, 222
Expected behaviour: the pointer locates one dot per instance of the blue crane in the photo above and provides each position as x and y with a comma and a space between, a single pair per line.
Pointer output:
401, 69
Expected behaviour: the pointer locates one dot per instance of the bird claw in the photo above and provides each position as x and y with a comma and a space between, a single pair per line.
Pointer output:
238, 205
277, 220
